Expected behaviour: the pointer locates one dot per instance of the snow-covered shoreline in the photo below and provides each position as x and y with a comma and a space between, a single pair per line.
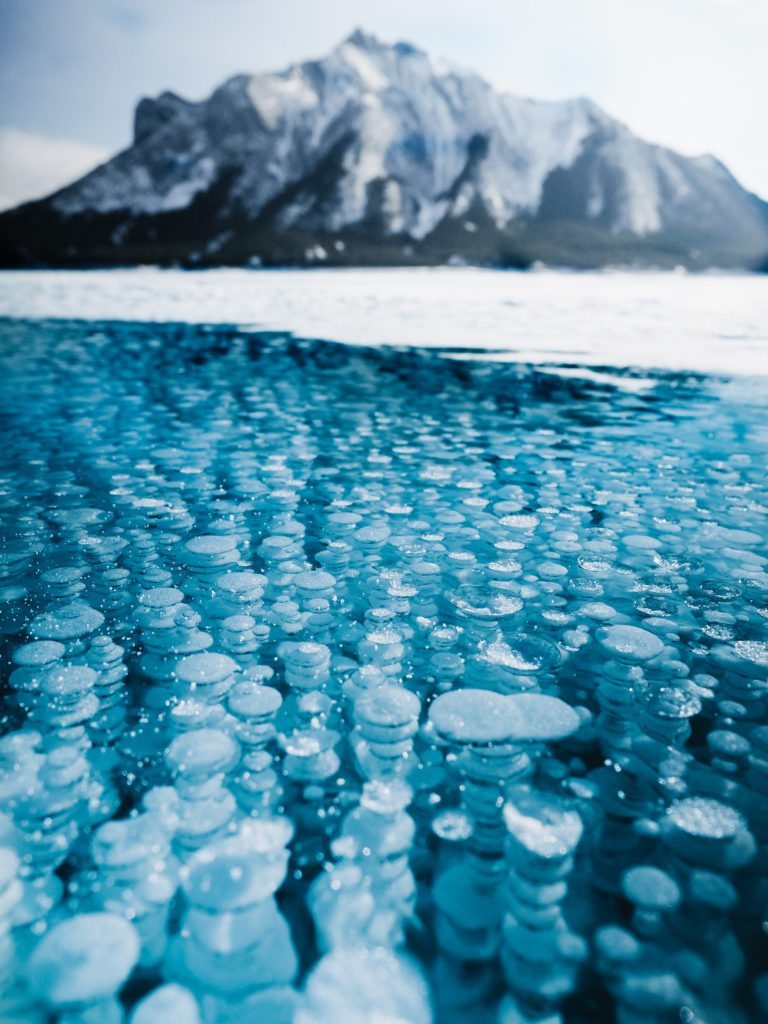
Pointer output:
713, 323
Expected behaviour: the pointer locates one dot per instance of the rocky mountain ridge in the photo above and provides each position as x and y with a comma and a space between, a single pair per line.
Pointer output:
380, 154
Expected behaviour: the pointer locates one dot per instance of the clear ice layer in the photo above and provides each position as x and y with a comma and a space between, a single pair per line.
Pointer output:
346, 685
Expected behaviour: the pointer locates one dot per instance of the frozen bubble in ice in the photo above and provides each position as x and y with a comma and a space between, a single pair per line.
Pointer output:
599, 611
719, 591
485, 602
616, 944
630, 643
206, 669
584, 587
476, 717
595, 565
544, 718
83, 959
506, 568
383, 636
551, 570
10, 889
521, 652
307, 743
167, 1004
397, 539
38, 652
398, 589
754, 651
541, 825
388, 706
386, 797
520, 521
124, 842
641, 542
443, 637
655, 606
240, 871
712, 890
76, 517
66, 623
305, 653
704, 818
651, 888
238, 624
242, 582
68, 681
205, 751
725, 743
453, 826
354, 984
254, 700
63, 574
673, 702
211, 544
314, 580
372, 534
161, 597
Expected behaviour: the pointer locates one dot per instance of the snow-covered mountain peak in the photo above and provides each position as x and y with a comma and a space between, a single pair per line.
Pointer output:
384, 143
362, 40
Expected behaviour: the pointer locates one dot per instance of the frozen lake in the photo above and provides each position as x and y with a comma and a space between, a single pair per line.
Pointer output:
712, 323
341, 676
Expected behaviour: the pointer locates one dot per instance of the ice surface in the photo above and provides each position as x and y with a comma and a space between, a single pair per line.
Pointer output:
682, 322
349, 684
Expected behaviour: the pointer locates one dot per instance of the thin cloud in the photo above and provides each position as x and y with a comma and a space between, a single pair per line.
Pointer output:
33, 165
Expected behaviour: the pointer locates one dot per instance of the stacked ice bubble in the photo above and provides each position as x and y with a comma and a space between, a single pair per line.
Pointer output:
343, 686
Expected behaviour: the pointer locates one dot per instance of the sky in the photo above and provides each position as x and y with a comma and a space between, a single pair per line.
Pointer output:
690, 74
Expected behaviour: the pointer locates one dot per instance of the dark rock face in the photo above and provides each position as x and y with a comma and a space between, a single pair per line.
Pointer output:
378, 154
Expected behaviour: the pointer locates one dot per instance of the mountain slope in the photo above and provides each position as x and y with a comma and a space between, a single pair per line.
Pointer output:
380, 154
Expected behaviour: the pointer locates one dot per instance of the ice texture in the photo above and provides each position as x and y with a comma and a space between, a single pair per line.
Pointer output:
353, 685
701, 323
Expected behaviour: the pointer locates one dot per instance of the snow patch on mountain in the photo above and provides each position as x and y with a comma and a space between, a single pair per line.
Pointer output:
639, 214
132, 186
281, 98
370, 74
413, 119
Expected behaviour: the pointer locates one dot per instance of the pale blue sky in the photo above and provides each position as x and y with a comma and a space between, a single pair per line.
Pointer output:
691, 74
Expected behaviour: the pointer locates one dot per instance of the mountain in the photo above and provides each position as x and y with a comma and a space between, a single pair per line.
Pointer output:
380, 154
